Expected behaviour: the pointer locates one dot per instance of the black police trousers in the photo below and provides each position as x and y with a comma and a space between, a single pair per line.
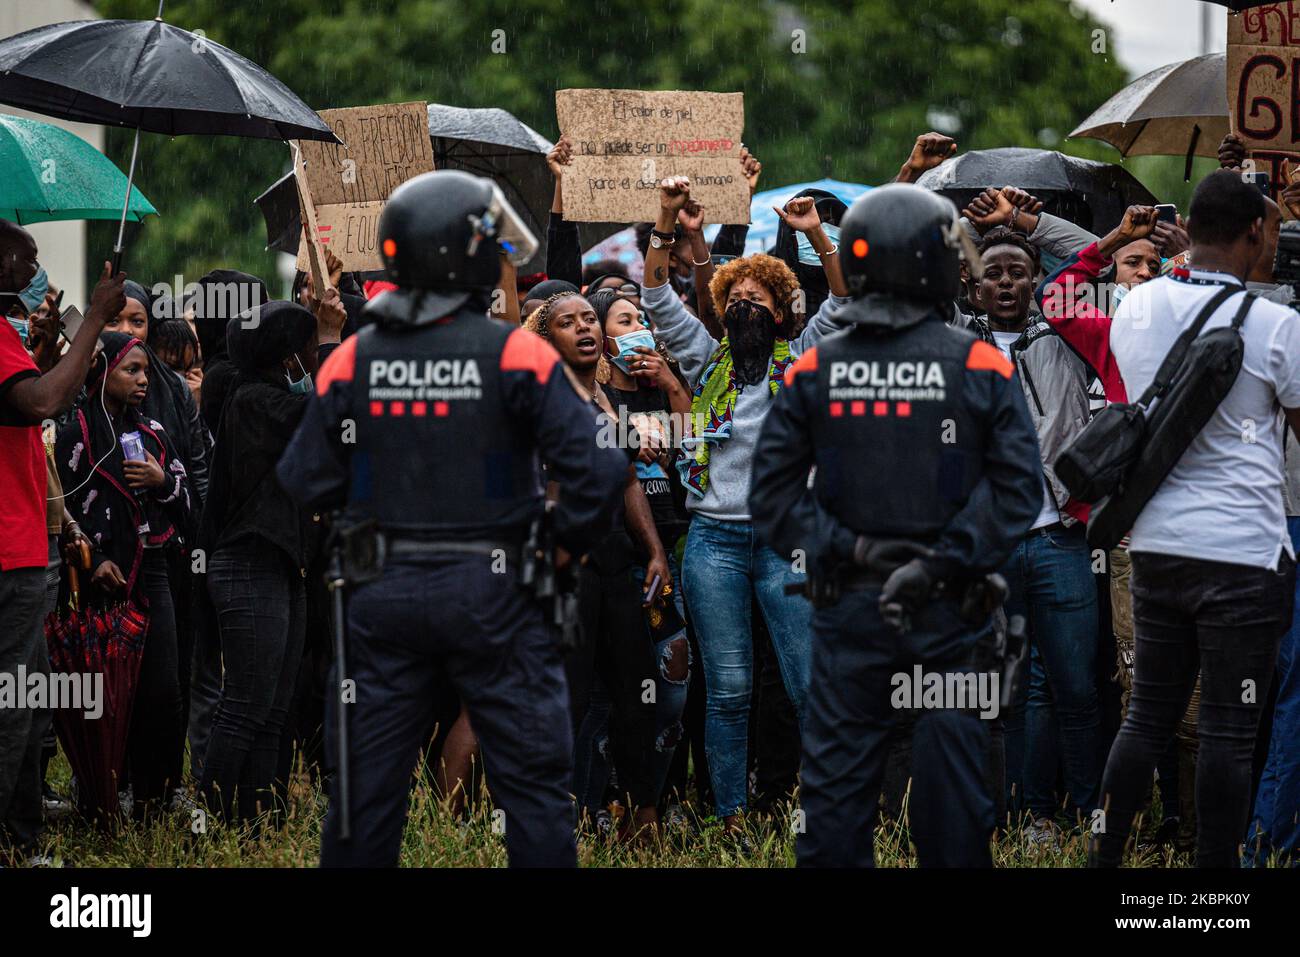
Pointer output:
452, 616
863, 676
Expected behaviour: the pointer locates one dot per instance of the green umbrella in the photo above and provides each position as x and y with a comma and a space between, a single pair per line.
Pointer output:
48, 174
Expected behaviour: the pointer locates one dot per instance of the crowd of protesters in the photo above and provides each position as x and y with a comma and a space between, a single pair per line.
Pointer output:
688, 685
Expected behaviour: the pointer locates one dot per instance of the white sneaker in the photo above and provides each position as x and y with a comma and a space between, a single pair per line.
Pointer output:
1043, 834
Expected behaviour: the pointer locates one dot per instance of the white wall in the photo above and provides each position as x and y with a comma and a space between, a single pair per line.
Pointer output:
62, 245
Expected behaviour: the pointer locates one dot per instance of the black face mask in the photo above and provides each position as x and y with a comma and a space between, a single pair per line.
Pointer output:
751, 332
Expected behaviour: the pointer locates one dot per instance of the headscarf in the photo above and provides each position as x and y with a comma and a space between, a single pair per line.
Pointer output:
812, 279
103, 503
549, 287
211, 329
169, 399
280, 330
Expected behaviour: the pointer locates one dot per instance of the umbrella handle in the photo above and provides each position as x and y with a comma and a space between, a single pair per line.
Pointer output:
74, 578
126, 203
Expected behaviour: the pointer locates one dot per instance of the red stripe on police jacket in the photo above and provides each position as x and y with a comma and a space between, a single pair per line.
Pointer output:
528, 352
986, 358
805, 363
339, 367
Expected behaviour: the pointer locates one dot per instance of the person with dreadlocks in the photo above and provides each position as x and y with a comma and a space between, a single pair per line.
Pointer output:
725, 565
606, 672
130, 509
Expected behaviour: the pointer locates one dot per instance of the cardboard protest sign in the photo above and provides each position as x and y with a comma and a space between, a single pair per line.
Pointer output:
626, 141
383, 147
1264, 85
314, 252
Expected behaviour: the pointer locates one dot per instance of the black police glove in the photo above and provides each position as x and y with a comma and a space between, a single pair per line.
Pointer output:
886, 554
906, 591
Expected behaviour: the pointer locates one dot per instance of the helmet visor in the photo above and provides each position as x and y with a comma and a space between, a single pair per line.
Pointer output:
504, 224
957, 238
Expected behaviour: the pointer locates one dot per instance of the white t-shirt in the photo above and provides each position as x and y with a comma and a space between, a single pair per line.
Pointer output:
1050, 514
1223, 500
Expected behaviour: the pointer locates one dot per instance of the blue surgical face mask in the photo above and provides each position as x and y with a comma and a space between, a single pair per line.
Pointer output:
627, 345
35, 292
304, 385
22, 327
807, 255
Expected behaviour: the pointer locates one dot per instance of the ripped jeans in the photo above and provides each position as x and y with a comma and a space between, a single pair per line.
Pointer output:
672, 680
672, 655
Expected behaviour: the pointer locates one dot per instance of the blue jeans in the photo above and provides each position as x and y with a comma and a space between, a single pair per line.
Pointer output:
1050, 577
724, 568
1275, 824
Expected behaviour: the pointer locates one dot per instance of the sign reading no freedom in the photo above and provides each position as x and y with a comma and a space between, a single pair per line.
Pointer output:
626, 141
383, 147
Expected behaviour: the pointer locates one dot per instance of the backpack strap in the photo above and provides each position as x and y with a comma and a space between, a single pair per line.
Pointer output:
1240, 317
1176, 354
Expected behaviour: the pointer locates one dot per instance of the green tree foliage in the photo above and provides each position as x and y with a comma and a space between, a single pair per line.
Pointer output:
831, 88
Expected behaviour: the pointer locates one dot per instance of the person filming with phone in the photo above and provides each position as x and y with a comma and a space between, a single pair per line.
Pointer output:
29, 397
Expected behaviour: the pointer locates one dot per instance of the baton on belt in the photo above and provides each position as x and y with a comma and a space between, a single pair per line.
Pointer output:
335, 580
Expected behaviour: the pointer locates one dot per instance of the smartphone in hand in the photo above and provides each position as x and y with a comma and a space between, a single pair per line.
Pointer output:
652, 592
71, 319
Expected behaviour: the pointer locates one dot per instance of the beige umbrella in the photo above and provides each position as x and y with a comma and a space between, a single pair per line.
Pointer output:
1178, 110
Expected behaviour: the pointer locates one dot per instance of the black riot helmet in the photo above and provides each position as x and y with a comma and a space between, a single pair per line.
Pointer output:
441, 235
903, 240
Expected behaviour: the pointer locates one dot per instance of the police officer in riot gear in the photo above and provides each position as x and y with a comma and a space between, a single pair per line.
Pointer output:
926, 476
427, 428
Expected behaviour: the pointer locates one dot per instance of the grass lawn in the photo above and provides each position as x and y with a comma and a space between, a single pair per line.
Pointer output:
435, 839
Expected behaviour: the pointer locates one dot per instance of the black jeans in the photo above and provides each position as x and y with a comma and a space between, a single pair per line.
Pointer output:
774, 748
1224, 621
155, 745
205, 673
615, 647
260, 598
22, 644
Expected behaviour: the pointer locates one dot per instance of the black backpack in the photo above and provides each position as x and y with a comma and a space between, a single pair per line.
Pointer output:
1120, 459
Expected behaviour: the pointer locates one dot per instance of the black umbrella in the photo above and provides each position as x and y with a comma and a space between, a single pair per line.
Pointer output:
1178, 110
1094, 195
152, 76
487, 142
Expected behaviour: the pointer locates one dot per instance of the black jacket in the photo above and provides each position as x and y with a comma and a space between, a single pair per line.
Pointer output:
246, 500
449, 419
919, 433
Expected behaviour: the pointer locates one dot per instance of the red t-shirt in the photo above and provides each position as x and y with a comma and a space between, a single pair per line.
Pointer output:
23, 542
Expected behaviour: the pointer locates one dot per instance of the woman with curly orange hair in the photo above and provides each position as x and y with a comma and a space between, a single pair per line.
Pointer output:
725, 568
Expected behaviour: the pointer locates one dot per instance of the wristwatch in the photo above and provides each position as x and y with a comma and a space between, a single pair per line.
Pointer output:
659, 240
